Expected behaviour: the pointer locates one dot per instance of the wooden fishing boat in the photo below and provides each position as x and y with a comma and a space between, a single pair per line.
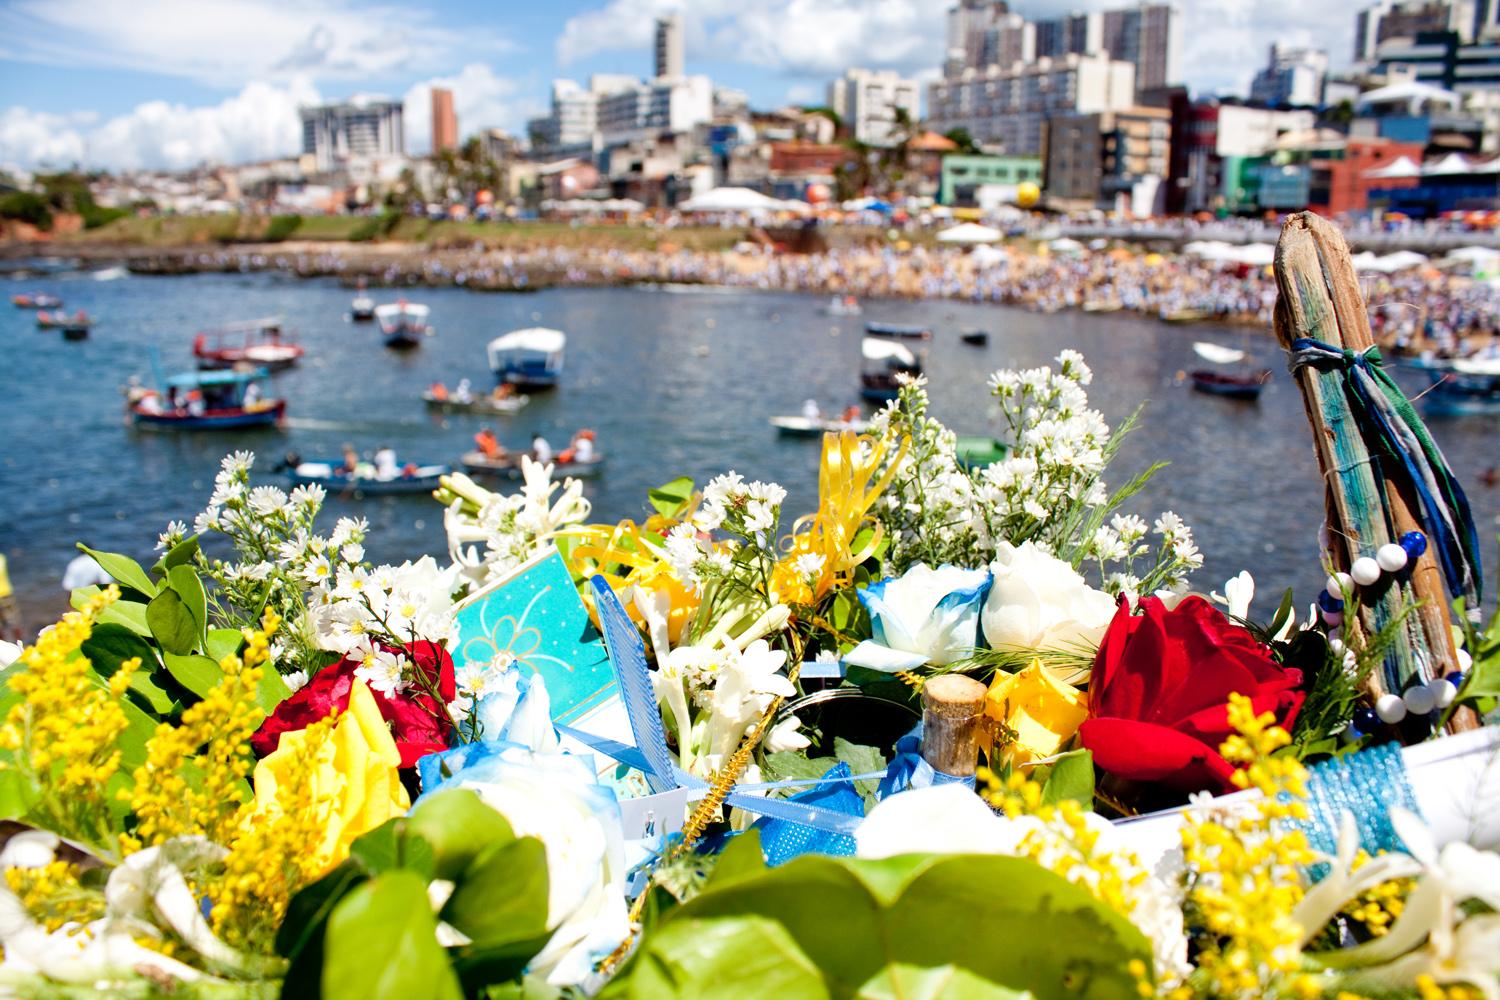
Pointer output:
204, 401
1187, 316
895, 331
403, 324
1102, 306
509, 466
503, 406
976, 338
364, 482
1245, 387
884, 362
530, 359
36, 300
808, 427
260, 342
74, 327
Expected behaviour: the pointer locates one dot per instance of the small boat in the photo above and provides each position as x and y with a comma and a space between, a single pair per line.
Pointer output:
529, 359
362, 309
503, 406
846, 305
1246, 387
979, 452
978, 338
36, 300
206, 400
74, 327
807, 427
1102, 306
111, 273
884, 362
403, 324
1187, 316
260, 342
326, 473
509, 466
894, 331
1470, 386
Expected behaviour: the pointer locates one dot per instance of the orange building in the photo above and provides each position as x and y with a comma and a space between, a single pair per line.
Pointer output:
444, 122
1343, 184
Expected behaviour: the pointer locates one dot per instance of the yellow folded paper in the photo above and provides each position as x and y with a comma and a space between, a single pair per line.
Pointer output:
1040, 710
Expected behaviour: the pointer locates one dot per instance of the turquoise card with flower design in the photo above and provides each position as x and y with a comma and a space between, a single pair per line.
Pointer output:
533, 619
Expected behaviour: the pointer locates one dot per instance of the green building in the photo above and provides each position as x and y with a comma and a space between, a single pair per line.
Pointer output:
963, 176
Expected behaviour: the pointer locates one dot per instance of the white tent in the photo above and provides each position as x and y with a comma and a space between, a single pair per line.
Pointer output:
1403, 260
1403, 166
1255, 254
985, 255
1449, 165
1064, 244
1474, 254
879, 349
969, 232
1208, 249
732, 199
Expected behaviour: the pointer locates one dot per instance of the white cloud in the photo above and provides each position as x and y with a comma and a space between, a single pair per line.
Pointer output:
481, 100
260, 122
225, 42
1224, 41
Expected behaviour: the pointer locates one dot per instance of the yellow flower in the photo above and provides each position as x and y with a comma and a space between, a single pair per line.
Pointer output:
1041, 711
355, 779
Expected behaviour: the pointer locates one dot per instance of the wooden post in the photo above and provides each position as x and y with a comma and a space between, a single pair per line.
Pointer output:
1368, 507
952, 706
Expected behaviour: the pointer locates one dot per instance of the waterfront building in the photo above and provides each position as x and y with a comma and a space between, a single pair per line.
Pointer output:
868, 101
1109, 159
361, 128
1292, 77
1210, 139
1009, 106
444, 121
669, 60
964, 178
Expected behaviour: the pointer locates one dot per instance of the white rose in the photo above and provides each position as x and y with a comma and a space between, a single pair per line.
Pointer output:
1040, 602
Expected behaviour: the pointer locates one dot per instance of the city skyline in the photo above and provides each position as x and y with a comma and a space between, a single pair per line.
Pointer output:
153, 84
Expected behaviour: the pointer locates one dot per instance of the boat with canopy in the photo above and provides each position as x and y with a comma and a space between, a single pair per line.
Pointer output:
529, 359
403, 324
884, 361
260, 342
205, 400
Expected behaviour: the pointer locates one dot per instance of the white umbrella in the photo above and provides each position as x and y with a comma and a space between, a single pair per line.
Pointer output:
1255, 254
1065, 245
1473, 253
985, 255
1217, 354
1402, 260
969, 232
732, 199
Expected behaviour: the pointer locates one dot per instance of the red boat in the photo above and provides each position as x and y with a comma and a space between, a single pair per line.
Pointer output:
262, 343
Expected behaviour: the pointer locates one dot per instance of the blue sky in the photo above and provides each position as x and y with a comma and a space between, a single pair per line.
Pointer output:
145, 83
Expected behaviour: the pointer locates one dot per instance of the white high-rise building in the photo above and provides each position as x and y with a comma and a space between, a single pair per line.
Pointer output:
649, 108
358, 129
669, 57
572, 124
1293, 76
868, 102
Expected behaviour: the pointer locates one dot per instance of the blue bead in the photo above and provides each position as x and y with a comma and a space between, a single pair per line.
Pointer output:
1366, 721
1456, 679
1328, 602
1415, 543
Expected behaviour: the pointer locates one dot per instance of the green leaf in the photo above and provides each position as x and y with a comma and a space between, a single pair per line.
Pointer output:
459, 826
861, 760
392, 845
790, 765
501, 898
220, 642
184, 580
886, 927
18, 795
1283, 613
180, 554
131, 614
271, 691
195, 671
109, 645
124, 570
480, 967
742, 857
301, 934
172, 624
670, 498
1071, 777
381, 942
901, 981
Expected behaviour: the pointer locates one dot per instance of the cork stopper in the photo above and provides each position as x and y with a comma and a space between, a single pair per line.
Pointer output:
952, 706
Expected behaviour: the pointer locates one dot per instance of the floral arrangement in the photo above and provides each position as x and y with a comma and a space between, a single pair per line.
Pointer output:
263, 766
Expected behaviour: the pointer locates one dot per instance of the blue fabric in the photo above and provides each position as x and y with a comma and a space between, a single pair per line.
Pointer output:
1367, 785
782, 840
908, 769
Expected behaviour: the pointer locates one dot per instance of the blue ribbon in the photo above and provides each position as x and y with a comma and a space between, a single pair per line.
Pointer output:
909, 769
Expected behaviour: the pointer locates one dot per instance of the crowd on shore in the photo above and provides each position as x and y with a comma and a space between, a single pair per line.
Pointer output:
1443, 309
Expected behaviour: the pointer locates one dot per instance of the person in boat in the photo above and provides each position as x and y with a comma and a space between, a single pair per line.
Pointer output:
385, 463
850, 414
541, 451
811, 410
502, 392
351, 461
438, 391
464, 393
488, 444
252, 396
196, 407
583, 446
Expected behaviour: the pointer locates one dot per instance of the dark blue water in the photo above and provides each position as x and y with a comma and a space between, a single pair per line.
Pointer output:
675, 383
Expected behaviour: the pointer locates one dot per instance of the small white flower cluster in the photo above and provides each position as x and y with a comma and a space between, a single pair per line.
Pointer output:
392, 605
1049, 489
510, 528
750, 510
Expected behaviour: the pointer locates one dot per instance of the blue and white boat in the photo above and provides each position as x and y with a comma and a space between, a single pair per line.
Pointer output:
205, 400
529, 359
1467, 386
884, 361
403, 324
330, 474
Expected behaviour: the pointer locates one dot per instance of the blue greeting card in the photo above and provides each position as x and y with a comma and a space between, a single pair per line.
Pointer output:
534, 619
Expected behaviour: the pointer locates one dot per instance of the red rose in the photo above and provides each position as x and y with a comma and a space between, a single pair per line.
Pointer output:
1159, 696
412, 716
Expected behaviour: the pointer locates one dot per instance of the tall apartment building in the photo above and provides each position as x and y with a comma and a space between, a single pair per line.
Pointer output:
1102, 158
1148, 36
1399, 22
359, 129
640, 109
868, 102
1009, 106
572, 124
1293, 76
669, 55
444, 121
